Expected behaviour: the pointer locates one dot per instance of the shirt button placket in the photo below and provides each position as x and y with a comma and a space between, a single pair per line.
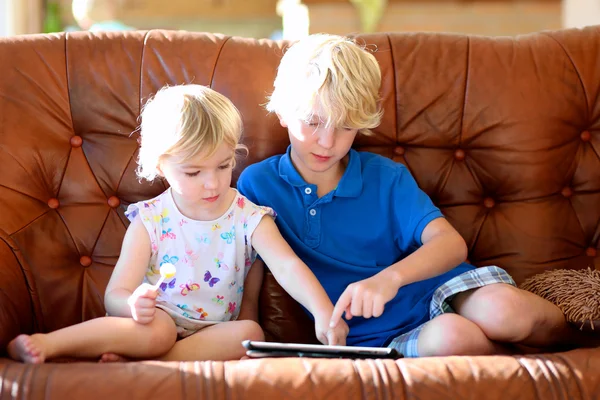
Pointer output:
314, 227
313, 221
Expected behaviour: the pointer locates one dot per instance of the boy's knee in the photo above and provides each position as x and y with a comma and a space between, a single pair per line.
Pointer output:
451, 334
504, 314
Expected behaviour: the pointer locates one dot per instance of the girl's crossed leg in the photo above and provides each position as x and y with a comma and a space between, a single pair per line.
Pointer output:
108, 336
97, 336
218, 342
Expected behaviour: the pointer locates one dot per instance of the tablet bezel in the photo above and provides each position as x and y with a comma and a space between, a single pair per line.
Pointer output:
300, 350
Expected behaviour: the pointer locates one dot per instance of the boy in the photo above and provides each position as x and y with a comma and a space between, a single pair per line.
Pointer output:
383, 252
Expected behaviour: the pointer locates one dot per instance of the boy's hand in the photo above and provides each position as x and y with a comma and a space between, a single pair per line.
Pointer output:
142, 303
334, 336
366, 298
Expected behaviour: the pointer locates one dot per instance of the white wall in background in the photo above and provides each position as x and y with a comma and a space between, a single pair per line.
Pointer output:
580, 13
4, 18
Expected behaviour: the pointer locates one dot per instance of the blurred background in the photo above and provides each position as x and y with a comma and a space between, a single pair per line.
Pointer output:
291, 19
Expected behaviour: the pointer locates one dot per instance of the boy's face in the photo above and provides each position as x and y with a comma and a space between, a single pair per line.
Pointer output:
316, 148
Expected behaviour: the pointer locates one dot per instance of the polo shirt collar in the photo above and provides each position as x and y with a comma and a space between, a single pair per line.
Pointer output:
350, 185
288, 172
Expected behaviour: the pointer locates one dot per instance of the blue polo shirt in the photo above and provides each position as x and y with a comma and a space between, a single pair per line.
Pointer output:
374, 218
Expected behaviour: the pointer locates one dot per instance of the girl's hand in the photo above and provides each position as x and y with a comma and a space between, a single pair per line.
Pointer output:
142, 303
334, 336
366, 298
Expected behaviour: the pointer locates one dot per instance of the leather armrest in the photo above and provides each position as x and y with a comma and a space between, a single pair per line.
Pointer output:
16, 310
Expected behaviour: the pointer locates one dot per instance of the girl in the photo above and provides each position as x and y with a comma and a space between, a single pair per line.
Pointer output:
189, 136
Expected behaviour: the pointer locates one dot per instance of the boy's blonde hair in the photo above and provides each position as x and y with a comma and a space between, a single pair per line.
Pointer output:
333, 74
185, 121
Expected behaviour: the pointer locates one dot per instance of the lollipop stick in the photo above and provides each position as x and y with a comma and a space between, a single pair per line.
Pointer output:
157, 285
167, 270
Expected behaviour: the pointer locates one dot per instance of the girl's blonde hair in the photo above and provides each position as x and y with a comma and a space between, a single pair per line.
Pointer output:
184, 121
333, 74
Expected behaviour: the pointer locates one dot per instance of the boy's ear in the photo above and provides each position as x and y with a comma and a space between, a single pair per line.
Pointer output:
281, 121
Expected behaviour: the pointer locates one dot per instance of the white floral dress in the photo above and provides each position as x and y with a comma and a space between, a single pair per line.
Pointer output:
212, 259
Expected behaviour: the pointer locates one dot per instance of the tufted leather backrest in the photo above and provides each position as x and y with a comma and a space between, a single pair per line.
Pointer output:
502, 133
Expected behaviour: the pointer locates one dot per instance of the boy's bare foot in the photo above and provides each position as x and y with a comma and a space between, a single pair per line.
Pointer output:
112, 357
29, 349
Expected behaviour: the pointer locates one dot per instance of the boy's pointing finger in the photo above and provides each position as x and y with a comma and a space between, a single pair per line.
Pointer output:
342, 304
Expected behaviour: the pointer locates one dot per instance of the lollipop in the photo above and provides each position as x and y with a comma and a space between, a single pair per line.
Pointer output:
167, 271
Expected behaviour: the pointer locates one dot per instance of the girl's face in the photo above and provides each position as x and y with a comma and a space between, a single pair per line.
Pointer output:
200, 185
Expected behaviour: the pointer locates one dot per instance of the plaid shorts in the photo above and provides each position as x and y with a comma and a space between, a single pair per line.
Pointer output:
406, 343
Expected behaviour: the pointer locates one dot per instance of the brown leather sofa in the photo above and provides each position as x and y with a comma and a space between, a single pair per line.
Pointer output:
503, 133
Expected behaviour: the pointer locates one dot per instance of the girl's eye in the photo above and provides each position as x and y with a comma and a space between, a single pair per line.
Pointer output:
192, 173
226, 166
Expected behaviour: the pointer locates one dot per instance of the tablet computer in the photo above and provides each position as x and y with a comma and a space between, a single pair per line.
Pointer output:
255, 349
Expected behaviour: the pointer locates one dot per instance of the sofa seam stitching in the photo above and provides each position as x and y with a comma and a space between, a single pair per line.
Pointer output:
64, 172
585, 93
214, 69
462, 115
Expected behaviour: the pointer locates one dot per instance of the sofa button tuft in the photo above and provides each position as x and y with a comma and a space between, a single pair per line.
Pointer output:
459, 154
53, 203
76, 141
85, 261
567, 192
488, 202
114, 202
586, 136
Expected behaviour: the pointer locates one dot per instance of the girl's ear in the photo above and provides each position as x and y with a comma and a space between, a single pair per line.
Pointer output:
159, 170
281, 121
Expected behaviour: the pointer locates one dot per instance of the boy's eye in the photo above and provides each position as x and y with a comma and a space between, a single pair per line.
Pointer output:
192, 173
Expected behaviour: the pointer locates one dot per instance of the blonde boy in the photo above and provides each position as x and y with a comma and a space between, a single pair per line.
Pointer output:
383, 252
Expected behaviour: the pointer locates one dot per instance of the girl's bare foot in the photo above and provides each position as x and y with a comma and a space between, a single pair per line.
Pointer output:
112, 357
29, 349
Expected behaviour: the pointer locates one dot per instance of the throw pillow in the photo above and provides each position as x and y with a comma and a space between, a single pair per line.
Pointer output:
575, 292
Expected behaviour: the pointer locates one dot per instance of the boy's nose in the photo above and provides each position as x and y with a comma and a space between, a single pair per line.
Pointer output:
327, 138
